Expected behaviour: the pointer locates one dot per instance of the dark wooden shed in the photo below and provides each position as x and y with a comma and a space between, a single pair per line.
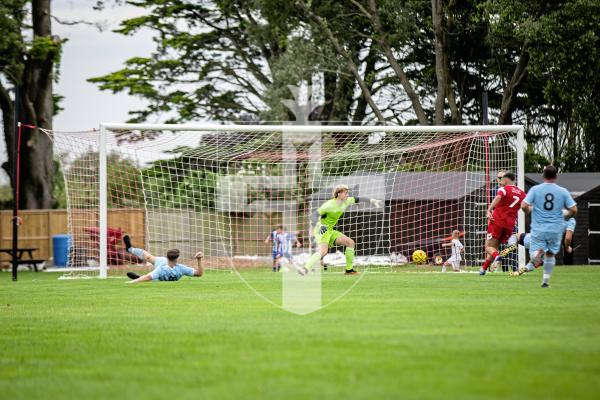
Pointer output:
585, 189
420, 209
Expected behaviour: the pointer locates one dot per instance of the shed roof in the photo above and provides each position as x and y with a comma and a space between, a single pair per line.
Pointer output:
577, 183
406, 185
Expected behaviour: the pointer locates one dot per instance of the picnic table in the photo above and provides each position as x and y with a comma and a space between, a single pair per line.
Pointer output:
24, 261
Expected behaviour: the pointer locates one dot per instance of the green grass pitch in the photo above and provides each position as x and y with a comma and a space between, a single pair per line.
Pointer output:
395, 335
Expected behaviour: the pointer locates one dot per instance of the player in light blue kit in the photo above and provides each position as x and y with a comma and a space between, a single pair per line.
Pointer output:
568, 250
524, 239
550, 205
165, 268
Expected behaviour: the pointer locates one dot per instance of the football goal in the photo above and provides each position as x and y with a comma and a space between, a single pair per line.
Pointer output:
223, 189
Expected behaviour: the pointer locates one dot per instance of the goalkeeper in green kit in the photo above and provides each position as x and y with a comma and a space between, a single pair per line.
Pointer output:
324, 220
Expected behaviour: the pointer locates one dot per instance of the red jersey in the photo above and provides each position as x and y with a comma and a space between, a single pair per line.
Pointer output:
505, 213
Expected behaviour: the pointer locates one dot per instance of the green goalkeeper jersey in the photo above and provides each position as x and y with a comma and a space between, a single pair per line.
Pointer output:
331, 211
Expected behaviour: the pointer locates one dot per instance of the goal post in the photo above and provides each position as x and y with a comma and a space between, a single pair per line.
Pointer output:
224, 188
102, 202
520, 146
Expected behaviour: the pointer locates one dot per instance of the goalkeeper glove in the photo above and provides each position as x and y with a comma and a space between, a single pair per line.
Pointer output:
376, 203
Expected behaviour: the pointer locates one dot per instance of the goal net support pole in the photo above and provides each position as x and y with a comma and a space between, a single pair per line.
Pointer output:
521, 184
103, 203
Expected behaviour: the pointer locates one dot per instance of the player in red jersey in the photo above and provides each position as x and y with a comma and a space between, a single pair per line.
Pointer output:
502, 214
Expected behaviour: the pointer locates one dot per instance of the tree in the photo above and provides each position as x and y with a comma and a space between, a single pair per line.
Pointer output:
381, 37
556, 75
406, 62
168, 185
436, 51
566, 61
322, 26
124, 181
233, 61
213, 59
28, 66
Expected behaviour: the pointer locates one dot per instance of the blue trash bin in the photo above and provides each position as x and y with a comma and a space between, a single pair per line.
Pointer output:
60, 248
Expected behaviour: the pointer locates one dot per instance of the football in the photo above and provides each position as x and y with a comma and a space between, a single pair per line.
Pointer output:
419, 257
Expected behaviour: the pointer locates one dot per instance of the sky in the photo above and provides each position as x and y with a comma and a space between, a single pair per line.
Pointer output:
89, 53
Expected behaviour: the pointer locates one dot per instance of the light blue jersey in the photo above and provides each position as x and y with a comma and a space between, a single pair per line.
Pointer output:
548, 201
570, 224
527, 241
162, 271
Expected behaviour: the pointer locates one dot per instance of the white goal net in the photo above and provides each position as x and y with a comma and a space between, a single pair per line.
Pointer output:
223, 189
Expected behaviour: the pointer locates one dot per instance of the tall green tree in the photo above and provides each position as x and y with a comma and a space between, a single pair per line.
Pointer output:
567, 63
233, 61
212, 59
400, 61
28, 65
558, 102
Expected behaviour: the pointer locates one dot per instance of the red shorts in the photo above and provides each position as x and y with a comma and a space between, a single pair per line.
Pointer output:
498, 232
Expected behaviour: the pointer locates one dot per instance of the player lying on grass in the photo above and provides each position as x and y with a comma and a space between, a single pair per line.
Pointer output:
324, 221
502, 215
165, 268
457, 249
550, 205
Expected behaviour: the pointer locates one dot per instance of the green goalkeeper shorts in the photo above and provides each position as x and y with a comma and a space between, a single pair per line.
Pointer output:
329, 237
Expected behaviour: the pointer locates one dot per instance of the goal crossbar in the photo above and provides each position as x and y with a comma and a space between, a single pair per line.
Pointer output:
314, 128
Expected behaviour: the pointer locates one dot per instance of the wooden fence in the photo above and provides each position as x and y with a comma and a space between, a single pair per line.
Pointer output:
39, 226
215, 233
